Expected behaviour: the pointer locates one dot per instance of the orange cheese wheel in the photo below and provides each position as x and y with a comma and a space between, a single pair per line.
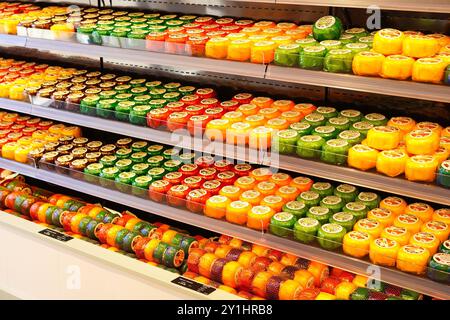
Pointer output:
395, 204
408, 221
421, 210
319, 272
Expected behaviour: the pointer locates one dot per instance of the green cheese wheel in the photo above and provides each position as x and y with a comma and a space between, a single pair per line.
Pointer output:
334, 203
297, 208
346, 192
321, 214
327, 28
281, 223
345, 219
370, 199
360, 294
357, 209
330, 236
305, 229
322, 188
309, 198
439, 267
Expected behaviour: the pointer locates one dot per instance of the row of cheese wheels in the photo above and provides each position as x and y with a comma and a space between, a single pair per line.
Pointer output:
20, 134
267, 194
247, 40
302, 129
125, 233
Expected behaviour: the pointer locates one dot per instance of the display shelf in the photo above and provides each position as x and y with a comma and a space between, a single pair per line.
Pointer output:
396, 277
426, 192
408, 89
147, 58
96, 265
437, 6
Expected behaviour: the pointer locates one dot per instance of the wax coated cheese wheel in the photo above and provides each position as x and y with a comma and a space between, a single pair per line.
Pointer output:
391, 162
367, 63
356, 243
319, 272
439, 267
301, 183
330, 236
428, 70
357, 209
425, 240
280, 179
261, 174
399, 234
346, 192
266, 188
230, 273
383, 137
345, 219
259, 217
362, 157
388, 41
205, 263
422, 141
321, 214
236, 211
344, 290
310, 198
274, 202
231, 192
383, 216
289, 290
440, 229
421, 210
251, 196
395, 204
442, 215
216, 206
383, 251
334, 203
259, 283
304, 278
282, 224
370, 199
445, 246
409, 222
305, 229
288, 193
412, 258
325, 296
372, 227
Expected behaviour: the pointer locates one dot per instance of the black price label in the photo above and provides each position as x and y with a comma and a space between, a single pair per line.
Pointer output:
193, 285
55, 235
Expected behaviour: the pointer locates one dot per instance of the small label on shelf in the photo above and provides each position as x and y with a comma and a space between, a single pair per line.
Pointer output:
193, 285
55, 235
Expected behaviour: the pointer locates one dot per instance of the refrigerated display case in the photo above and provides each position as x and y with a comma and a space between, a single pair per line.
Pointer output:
330, 152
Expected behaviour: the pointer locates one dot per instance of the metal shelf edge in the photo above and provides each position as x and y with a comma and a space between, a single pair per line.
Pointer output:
143, 271
398, 5
407, 89
395, 277
147, 58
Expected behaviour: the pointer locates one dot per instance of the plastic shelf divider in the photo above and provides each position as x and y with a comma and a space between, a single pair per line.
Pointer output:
407, 89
